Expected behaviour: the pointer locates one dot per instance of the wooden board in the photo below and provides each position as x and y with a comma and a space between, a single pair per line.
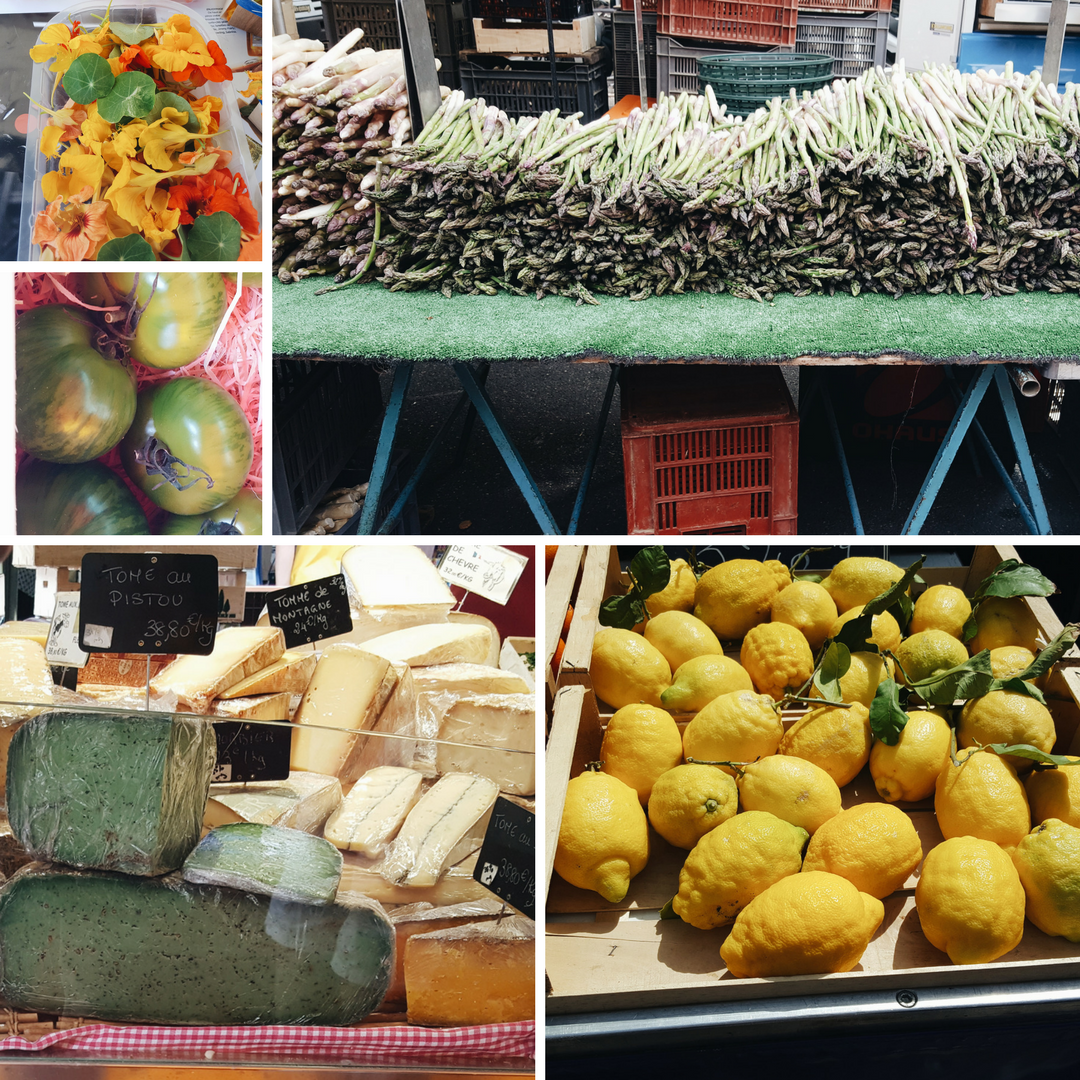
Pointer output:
575, 40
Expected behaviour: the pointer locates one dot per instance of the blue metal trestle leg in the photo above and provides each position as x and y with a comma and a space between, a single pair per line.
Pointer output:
402, 375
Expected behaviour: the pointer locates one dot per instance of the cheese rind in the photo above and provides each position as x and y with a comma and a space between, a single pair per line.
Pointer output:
397, 577
439, 643
372, 812
288, 675
361, 877
268, 860
468, 679
25, 678
430, 837
239, 651
304, 801
493, 735
258, 707
164, 951
480, 973
113, 792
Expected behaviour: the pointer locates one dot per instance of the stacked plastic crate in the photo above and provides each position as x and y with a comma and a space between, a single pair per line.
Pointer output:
510, 66
852, 32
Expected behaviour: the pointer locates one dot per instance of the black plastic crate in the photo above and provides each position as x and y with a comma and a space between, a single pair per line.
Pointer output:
523, 87
534, 10
624, 35
449, 23
321, 412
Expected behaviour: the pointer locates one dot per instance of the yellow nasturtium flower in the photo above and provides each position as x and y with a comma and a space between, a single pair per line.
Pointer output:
61, 47
177, 46
79, 169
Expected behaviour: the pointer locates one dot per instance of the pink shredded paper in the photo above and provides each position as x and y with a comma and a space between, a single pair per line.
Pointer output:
233, 363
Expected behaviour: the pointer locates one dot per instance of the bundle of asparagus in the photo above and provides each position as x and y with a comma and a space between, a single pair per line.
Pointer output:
337, 114
890, 182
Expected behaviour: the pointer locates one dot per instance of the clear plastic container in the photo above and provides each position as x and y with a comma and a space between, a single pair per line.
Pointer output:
230, 137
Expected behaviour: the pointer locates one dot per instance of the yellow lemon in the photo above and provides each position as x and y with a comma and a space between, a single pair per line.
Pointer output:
795, 790
603, 836
941, 607
734, 862
781, 574
873, 845
641, 742
809, 608
680, 637
698, 681
777, 657
626, 669
735, 596
908, 770
678, 594
862, 678
970, 900
1054, 793
808, 924
859, 579
928, 653
833, 737
982, 797
884, 629
1048, 861
1004, 716
1005, 621
691, 800
739, 726
1010, 660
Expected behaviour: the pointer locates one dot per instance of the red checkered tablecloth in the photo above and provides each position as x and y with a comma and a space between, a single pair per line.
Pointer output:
377, 1044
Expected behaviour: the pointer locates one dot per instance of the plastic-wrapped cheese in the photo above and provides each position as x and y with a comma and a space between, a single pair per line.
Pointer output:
394, 579
303, 801
289, 674
457, 884
266, 859
468, 679
481, 973
116, 792
24, 678
440, 643
372, 812
164, 951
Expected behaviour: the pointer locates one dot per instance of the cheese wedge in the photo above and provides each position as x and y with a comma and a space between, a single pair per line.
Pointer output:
493, 735
258, 707
468, 679
480, 973
438, 643
239, 651
304, 801
348, 693
365, 626
30, 631
360, 877
25, 679
445, 817
289, 675
383, 578
372, 812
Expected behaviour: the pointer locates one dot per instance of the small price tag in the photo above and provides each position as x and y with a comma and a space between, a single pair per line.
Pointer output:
490, 572
310, 612
248, 751
62, 644
157, 603
507, 862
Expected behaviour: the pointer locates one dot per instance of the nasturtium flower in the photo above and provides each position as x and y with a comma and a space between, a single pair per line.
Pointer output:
62, 44
177, 47
79, 168
72, 229
162, 137
123, 62
218, 190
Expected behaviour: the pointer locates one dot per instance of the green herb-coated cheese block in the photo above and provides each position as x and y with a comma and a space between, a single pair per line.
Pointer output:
161, 950
267, 859
122, 791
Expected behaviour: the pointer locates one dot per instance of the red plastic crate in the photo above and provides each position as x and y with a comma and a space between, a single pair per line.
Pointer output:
764, 22
709, 448
646, 5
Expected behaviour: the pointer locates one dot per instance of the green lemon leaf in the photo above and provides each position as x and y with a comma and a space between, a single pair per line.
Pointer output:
892, 595
131, 33
973, 678
855, 634
1014, 578
1052, 653
833, 667
1018, 686
887, 716
88, 78
618, 611
127, 249
214, 237
651, 570
971, 627
1030, 753
132, 95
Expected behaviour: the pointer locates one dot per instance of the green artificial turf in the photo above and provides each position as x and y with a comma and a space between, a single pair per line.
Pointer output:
368, 322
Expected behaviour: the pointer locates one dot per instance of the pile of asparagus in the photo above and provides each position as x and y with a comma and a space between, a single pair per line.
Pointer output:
936, 180
336, 113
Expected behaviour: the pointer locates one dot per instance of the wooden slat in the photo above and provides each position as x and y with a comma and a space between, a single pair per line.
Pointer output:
600, 569
558, 592
565, 719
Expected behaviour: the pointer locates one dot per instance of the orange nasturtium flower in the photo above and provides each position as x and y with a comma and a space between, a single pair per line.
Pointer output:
72, 230
218, 190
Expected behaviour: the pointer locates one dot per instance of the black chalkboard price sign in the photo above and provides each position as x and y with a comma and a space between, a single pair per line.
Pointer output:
312, 611
148, 603
507, 862
251, 751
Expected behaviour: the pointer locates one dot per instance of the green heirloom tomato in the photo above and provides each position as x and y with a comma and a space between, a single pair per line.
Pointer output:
182, 312
189, 447
86, 499
241, 516
71, 403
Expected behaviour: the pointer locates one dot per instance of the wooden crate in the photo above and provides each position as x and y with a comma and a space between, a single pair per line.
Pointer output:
601, 956
509, 39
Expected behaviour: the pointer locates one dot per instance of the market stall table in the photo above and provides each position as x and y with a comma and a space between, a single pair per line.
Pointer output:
369, 324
